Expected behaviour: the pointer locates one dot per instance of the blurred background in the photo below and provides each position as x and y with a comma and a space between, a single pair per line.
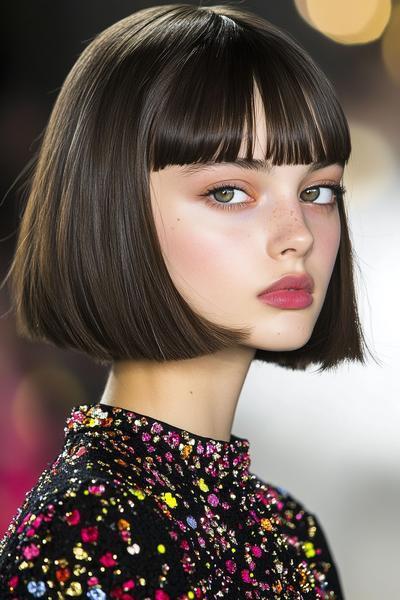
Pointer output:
331, 439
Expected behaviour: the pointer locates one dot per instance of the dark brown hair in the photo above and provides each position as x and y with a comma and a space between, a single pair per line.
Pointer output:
170, 84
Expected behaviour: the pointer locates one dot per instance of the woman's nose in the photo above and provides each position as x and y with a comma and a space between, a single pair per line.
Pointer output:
289, 232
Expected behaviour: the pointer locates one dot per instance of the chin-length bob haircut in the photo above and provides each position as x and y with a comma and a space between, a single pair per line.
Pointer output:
167, 85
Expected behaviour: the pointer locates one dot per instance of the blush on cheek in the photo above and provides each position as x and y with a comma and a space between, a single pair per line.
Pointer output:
201, 265
191, 253
328, 246
331, 241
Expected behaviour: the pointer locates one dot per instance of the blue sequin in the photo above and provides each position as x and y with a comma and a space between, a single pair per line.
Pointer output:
36, 588
192, 522
96, 594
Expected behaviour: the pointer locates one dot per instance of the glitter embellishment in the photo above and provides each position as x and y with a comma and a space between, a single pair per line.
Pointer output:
136, 508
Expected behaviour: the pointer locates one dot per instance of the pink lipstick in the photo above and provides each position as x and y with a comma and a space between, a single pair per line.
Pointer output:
291, 291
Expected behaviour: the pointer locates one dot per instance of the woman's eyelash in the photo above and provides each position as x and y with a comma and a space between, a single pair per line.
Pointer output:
339, 190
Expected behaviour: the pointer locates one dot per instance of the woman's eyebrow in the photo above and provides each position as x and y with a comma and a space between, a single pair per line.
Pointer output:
254, 164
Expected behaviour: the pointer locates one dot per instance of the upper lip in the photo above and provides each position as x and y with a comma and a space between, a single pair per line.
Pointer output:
302, 281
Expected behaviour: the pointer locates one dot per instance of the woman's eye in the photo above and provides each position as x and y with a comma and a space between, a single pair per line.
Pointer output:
322, 194
228, 194
225, 195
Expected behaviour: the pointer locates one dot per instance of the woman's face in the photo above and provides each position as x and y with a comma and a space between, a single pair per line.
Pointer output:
221, 259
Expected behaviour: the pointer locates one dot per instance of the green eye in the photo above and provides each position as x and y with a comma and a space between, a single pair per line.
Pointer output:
311, 193
224, 194
328, 194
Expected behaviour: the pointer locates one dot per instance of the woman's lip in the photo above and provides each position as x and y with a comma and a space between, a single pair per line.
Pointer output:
287, 298
298, 281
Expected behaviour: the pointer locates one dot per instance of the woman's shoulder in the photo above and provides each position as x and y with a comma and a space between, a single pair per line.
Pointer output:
88, 538
283, 504
300, 529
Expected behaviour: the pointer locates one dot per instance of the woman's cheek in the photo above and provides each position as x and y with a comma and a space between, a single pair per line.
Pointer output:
325, 250
330, 241
195, 254
202, 264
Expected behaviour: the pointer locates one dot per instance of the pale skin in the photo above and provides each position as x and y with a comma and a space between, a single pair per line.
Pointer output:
220, 260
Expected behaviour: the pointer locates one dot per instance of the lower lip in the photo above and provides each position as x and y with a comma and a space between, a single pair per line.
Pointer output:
288, 299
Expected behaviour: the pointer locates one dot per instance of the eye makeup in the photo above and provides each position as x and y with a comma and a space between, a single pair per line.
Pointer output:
337, 189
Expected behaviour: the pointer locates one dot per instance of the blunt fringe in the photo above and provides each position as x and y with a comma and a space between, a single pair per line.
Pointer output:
170, 84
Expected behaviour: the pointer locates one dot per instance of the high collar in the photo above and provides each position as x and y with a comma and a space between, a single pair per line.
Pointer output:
179, 451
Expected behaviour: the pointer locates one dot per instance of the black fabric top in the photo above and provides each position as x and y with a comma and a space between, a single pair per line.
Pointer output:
136, 508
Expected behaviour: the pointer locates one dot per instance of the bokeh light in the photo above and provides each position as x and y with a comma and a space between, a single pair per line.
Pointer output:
41, 395
302, 9
372, 168
347, 21
391, 46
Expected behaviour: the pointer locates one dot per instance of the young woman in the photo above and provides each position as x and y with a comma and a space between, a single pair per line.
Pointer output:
193, 160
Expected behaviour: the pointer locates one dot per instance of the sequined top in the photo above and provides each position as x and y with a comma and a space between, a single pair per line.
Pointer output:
136, 508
